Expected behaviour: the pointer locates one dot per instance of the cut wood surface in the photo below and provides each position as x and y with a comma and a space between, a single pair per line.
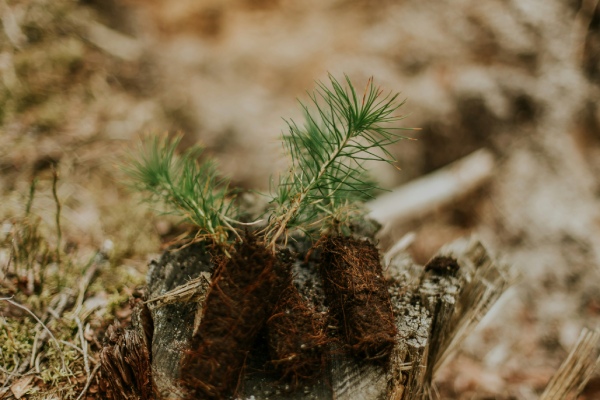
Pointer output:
434, 307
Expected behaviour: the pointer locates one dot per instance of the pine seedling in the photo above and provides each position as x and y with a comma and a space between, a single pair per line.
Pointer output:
341, 131
183, 186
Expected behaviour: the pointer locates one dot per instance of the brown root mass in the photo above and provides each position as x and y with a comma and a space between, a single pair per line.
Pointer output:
241, 297
357, 295
296, 336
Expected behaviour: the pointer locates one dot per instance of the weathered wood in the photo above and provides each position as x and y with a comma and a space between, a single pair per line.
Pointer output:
449, 301
408, 365
434, 308
576, 370
125, 359
177, 284
484, 281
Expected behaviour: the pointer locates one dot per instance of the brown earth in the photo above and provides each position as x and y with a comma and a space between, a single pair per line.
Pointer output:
357, 294
296, 337
81, 80
241, 297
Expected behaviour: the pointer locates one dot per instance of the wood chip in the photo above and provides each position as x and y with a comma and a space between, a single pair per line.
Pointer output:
21, 386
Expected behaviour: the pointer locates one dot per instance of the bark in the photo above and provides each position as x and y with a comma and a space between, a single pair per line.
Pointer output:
434, 308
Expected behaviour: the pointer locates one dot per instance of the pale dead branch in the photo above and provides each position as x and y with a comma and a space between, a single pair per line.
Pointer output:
432, 191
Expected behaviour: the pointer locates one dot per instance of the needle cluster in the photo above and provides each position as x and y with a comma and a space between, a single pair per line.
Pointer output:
341, 131
183, 186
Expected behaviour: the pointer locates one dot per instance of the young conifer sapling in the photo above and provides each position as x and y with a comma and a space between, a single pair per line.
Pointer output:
247, 277
323, 192
183, 186
342, 130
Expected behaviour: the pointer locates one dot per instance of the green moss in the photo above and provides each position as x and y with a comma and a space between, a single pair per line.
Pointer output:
16, 341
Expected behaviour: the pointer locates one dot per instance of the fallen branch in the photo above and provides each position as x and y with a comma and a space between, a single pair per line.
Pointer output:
111, 41
432, 191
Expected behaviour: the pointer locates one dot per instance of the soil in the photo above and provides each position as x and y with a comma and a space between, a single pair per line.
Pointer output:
241, 298
296, 337
357, 294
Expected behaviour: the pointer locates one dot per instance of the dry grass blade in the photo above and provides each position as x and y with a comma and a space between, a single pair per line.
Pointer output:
89, 381
576, 370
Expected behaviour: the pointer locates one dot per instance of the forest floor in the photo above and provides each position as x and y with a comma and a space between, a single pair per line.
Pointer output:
81, 81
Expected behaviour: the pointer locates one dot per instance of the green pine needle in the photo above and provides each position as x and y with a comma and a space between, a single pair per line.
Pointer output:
341, 131
183, 186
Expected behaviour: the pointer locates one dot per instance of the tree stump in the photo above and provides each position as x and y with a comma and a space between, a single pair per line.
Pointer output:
434, 307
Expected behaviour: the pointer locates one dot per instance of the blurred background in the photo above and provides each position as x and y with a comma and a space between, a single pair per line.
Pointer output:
82, 80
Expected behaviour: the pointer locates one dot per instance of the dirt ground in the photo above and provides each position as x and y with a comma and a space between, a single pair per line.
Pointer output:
82, 80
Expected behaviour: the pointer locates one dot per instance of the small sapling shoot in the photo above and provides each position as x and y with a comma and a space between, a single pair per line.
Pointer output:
342, 130
183, 186
245, 284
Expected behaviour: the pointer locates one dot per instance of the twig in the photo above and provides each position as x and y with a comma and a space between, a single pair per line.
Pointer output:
89, 381
112, 42
425, 194
12, 374
87, 279
40, 339
58, 208
11, 26
86, 361
14, 303
34, 348
580, 28
38, 359
400, 247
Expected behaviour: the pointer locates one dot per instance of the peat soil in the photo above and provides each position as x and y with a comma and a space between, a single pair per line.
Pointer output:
296, 333
291, 355
357, 294
241, 298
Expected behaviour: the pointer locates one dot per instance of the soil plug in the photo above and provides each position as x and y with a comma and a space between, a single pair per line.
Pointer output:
357, 293
243, 292
296, 336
